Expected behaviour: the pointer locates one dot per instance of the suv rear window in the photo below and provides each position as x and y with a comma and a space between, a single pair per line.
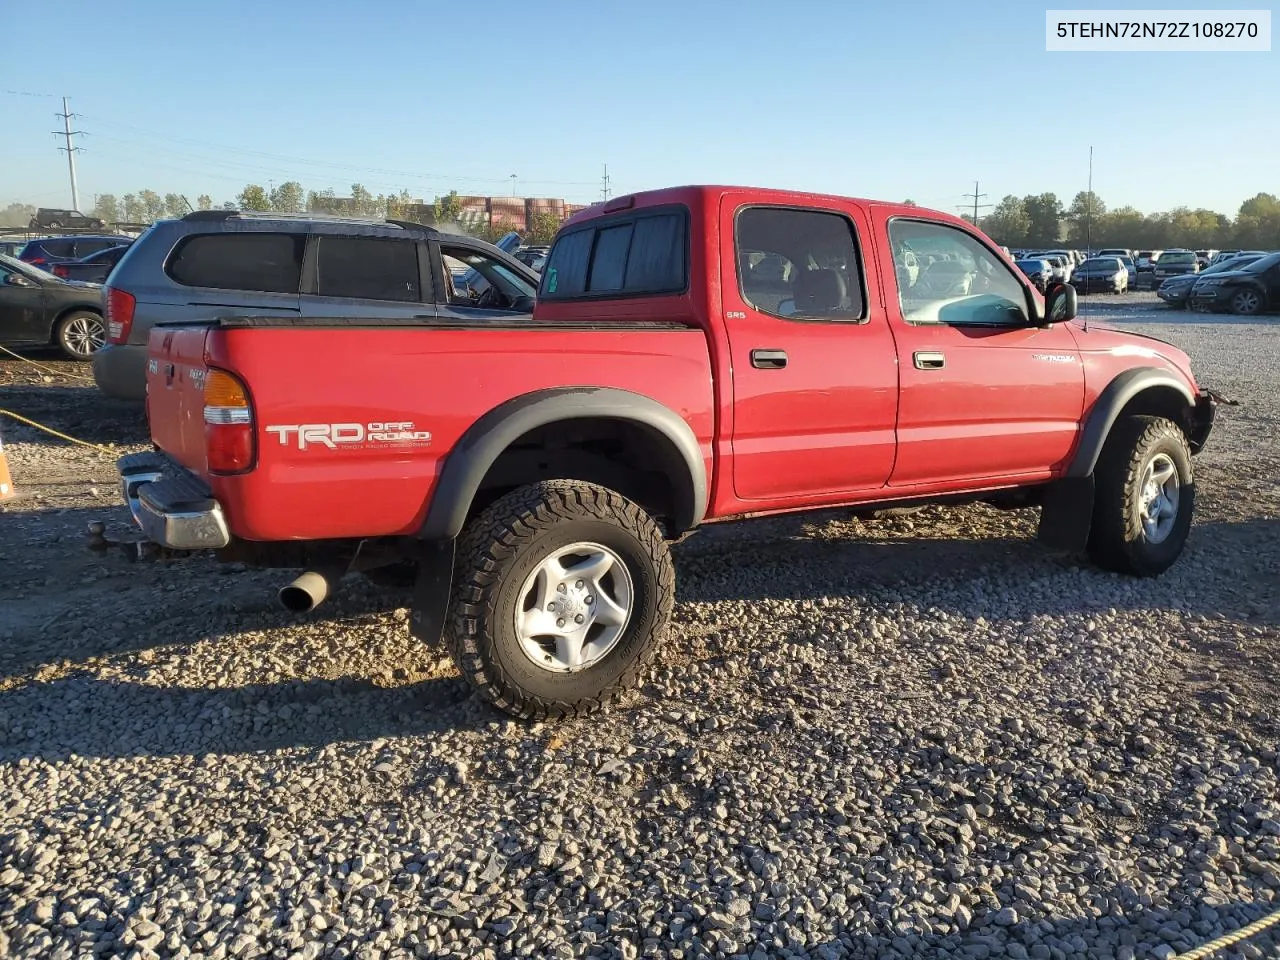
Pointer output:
633, 255
367, 268
266, 262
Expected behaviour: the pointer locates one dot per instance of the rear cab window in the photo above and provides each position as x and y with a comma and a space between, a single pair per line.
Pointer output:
637, 253
263, 262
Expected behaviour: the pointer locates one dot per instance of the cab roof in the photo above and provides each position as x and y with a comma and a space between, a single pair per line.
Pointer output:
707, 195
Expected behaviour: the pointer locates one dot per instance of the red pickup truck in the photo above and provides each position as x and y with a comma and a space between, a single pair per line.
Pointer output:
696, 354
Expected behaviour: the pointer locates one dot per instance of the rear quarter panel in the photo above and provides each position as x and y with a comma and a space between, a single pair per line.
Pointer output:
435, 379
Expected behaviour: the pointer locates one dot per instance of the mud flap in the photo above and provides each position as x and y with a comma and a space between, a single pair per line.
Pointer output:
431, 591
1067, 514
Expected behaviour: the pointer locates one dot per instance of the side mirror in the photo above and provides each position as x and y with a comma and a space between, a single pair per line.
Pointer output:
1060, 303
523, 304
18, 280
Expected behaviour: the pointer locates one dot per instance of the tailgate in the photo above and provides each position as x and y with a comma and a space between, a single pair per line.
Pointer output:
175, 392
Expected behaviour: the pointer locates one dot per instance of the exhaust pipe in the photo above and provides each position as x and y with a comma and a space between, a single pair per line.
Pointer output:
310, 590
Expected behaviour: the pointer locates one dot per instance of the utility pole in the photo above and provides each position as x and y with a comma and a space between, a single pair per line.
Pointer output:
513, 184
604, 184
976, 196
67, 133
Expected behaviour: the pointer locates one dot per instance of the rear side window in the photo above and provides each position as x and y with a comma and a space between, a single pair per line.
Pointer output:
367, 268
64, 247
265, 262
620, 256
86, 247
800, 264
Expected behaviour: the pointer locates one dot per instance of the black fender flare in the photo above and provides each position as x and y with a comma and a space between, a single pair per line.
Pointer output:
1106, 409
485, 440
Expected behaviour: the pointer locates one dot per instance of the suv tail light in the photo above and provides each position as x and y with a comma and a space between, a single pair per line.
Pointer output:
119, 314
60, 270
228, 423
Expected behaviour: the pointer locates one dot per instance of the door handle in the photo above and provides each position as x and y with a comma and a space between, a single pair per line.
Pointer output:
926, 360
768, 359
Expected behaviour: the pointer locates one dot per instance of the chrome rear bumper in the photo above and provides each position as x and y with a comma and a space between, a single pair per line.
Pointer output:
171, 505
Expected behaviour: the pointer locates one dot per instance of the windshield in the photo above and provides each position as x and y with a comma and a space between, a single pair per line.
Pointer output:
1263, 265
1104, 263
1233, 263
1177, 258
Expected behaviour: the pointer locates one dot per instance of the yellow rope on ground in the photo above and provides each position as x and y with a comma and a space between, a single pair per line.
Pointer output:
60, 436
40, 366
1244, 933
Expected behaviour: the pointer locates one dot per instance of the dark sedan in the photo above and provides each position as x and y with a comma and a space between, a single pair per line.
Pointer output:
38, 308
1176, 291
1101, 273
91, 269
1039, 272
1251, 290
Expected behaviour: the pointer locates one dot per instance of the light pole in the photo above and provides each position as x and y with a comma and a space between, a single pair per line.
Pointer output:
513, 184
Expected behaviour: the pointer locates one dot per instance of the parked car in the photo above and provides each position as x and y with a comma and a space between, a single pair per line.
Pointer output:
1061, 266
533, 475
1176, 291
1068, 260
1174, 263
1101, 274
1039, 272
1115, 252
11, 248
1250, 290
220, 263
1146, 262
91, 269
1131, 269
49, 218
38, 308
51, 250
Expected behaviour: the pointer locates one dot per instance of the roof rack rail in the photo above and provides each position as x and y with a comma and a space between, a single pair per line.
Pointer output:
211, 214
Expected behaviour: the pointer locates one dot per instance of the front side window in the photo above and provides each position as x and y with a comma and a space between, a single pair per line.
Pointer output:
633, 255
263, 262
474, 279
960, 282
800, 264
368, 268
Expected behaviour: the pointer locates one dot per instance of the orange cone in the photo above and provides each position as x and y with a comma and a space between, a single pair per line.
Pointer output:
6, 480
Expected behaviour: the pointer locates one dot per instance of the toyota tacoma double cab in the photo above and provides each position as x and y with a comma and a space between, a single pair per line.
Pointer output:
695, 355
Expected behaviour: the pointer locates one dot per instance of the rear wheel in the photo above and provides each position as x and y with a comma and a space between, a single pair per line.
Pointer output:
81, 334
55, 225
563, 592
1246, 302
1144, 497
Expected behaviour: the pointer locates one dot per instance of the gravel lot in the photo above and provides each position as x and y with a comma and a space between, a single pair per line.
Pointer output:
914, 737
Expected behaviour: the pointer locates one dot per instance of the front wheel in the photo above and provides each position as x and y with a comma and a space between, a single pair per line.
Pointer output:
1246, 302
1144, 496
562, 595
81, 334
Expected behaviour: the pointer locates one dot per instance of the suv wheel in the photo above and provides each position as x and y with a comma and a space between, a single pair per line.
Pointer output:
1246, 302
1144, 497
563, 592
81, 334
55, 224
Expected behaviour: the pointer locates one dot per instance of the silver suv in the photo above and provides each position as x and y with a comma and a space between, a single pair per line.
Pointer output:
219, 263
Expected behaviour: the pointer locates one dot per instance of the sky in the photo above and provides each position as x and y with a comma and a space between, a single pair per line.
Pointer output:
901, 100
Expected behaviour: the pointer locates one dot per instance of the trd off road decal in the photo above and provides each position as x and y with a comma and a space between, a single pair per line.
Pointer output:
351, 436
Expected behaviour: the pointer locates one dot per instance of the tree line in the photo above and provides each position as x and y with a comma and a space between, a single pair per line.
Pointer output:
147, 206
1040, 220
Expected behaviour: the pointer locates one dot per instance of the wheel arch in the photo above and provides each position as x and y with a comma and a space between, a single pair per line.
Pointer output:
1150, 391
470, 462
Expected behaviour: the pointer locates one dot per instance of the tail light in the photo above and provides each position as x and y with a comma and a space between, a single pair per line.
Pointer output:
119, 314
228, 423
60, 271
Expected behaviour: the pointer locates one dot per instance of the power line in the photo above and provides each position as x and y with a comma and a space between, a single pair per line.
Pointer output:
68, 133
976, 196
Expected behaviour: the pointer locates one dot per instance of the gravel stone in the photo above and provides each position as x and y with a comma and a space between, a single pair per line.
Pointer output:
910, 736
